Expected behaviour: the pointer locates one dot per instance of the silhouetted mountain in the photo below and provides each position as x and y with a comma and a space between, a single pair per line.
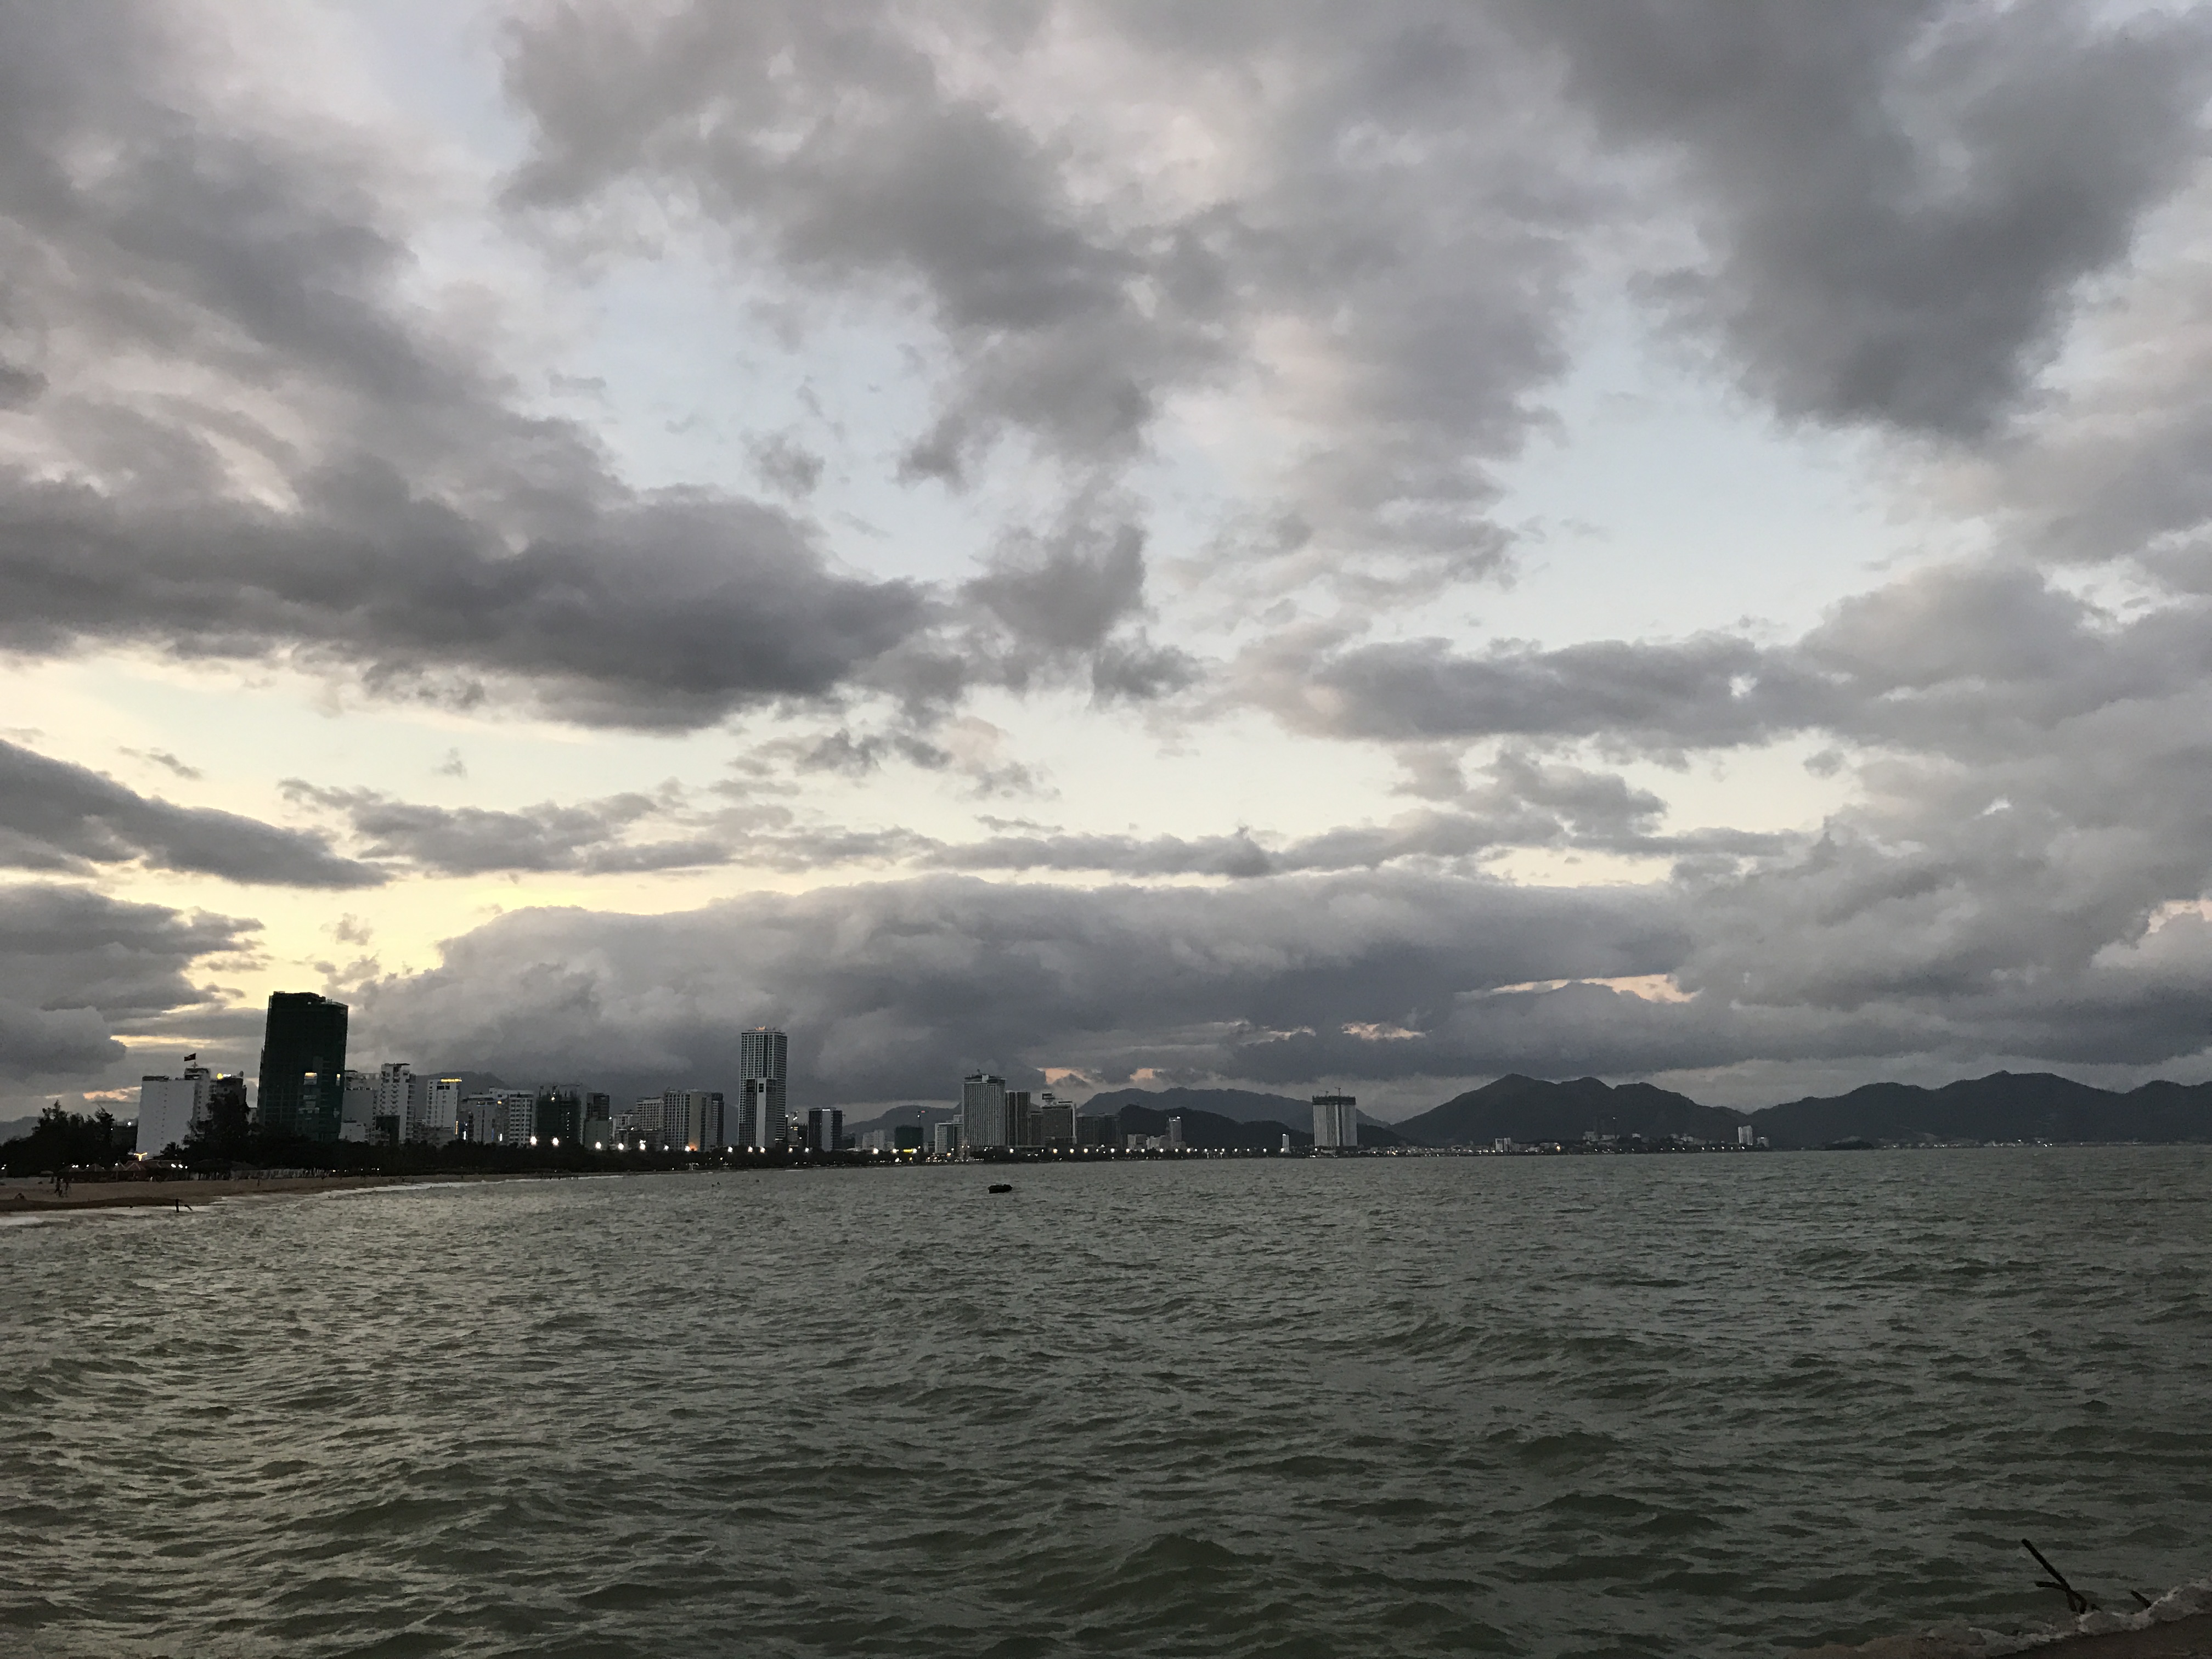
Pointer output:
2002, 1106
1244, 1105
903, 1117
1527, 1109
1210, 1128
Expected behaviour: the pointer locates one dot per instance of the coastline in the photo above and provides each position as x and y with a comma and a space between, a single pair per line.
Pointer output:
32, 1199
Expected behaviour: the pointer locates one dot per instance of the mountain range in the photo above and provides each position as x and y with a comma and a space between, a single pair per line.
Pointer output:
2002, 1106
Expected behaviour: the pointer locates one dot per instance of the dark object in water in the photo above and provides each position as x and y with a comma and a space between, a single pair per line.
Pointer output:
1002, 1185
2076, 1601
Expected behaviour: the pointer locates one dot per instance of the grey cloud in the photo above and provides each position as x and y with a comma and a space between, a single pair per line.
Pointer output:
55, 816
1912, 931
590, 838
1051, 605
76, 966
625, 834
323, 474
1393, 221
1974, 660
786, 466
665, 612
1067, 592
892, 989
1899, 198
168, 761
1711, 690
1526, 805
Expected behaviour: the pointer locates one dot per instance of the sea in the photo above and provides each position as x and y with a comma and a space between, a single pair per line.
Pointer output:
1549, 1406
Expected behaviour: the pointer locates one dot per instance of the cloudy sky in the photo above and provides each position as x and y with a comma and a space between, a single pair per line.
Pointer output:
1266, 544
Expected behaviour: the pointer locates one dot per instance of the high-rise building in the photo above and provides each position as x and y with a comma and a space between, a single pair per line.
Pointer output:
825, 1128
696, 1121
599, 1130
1172, 1138
764, 1069
1336, 1121
983, 1111
169, 1107
759, 1126
394, 1083
1021, 1129
357, 1108
439, 1118
640, 1126
944, 1137
227, 1113
303, 1065
558, 1114
1051, 1122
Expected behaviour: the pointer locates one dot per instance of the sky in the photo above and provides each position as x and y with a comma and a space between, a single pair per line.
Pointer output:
1268, 545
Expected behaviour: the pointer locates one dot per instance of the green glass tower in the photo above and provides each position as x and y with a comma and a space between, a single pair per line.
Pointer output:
303, 1055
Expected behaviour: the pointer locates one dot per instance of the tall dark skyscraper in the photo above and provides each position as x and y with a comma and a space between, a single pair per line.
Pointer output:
762, 1063
303, 1065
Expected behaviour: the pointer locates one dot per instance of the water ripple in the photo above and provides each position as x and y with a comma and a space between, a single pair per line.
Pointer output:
1523, 1407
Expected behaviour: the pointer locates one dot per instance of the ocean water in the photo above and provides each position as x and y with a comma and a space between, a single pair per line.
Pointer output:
1710, 1406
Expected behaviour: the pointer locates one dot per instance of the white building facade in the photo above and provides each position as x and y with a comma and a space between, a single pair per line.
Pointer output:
983, 1112
1336, 1122
169, 1107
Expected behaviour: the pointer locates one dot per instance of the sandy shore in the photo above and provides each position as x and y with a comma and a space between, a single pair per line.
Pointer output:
2183, 1638
22, 1199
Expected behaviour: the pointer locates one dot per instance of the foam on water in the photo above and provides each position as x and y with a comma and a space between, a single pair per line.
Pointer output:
1573, 1407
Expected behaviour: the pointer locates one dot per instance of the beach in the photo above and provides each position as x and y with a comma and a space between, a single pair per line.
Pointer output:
21, 1197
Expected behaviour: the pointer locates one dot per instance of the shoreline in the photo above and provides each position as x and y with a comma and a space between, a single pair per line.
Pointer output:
168, 1194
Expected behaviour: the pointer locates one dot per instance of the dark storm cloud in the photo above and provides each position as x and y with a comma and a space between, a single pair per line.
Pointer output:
664, 612
1985, 939
244, 434
54, 816
321, 471
1899, 197
1714, 690
893, 988
1971, 661
75, 966
2017, 881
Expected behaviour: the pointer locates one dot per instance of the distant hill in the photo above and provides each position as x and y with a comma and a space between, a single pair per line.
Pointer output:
1243, 1105
1201, 1128
2002, 1106
903, 1117
1527, 1109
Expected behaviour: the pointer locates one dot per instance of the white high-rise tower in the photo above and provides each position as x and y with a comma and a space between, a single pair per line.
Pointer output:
763, 1060
1336, 1123
983, 1111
